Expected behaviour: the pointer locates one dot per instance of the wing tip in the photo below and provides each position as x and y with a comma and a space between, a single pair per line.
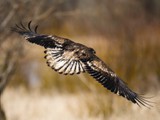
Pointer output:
21, 29
143, 101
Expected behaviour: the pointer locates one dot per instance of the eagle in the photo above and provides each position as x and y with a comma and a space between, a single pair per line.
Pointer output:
68, 57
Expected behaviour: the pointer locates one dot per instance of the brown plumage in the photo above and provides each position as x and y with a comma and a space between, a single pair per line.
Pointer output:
68, 57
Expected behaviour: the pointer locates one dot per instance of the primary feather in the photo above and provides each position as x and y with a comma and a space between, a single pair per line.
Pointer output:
68, 57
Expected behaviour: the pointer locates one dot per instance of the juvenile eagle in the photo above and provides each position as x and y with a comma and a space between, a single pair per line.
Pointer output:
68, 57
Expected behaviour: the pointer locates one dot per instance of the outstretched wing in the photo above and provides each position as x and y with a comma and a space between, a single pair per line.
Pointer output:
58, 58
47, 41
63, 61
104, 75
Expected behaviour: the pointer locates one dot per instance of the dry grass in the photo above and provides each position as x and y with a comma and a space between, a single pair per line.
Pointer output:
22, 105
82, 98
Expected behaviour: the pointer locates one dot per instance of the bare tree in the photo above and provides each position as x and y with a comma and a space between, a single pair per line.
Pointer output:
11, 48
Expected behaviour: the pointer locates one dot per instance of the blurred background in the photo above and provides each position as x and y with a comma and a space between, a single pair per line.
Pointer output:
125, 35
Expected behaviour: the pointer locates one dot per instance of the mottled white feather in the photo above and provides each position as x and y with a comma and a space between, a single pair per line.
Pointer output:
63, 62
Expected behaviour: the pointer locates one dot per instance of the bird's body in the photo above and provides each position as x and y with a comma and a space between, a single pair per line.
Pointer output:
68, 57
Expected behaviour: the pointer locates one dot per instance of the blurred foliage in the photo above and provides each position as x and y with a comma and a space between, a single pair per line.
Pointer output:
129, 29
124, 33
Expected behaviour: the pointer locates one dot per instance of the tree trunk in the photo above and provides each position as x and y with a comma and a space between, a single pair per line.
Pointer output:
2, 114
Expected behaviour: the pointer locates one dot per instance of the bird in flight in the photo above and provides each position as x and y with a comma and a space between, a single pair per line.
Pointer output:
68, 57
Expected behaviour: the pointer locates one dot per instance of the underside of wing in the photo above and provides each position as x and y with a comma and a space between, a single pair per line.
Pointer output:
63, 61
104, 75
60, 60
